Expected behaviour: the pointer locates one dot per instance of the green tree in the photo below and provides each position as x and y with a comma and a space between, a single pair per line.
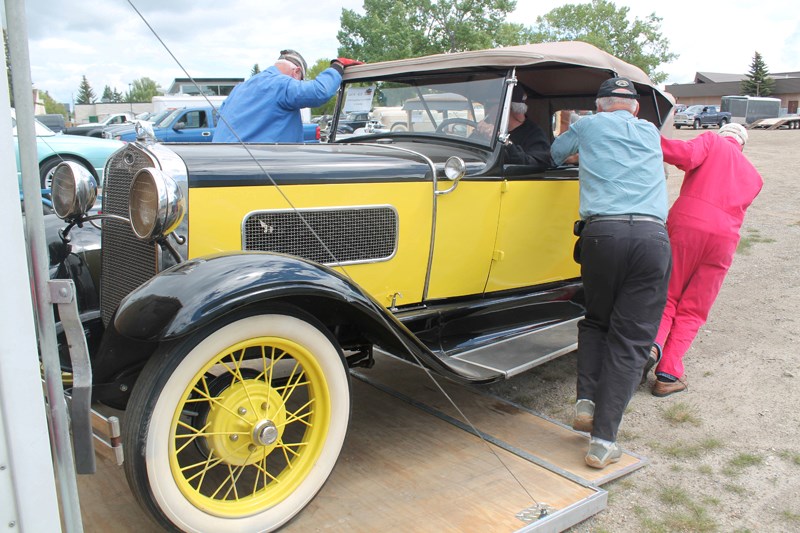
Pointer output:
601, 23
108, 96
85, 92
395, 30
8, 67
758, 81
255, 70
143, 90
51, 106
117, 96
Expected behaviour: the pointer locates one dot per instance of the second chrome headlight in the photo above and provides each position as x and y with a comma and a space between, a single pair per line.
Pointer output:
157, 205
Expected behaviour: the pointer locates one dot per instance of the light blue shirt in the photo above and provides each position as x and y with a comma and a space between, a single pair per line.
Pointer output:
266, 108
621, 166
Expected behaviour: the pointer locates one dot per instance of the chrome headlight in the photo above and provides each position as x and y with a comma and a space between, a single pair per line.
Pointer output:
455, 168
73, 190
157, 205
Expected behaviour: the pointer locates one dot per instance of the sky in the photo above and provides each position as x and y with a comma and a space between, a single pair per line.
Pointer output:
109, 43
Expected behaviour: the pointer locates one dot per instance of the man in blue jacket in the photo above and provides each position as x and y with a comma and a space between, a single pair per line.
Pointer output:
266, 108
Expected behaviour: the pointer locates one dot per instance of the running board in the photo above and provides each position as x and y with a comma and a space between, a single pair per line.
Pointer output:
517, 355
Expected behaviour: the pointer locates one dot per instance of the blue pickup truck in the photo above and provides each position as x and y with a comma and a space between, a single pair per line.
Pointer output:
196, 124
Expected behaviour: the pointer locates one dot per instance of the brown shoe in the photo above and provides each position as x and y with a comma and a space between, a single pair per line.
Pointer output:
662, 388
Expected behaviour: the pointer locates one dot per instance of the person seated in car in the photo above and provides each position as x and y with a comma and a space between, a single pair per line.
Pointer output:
528, 143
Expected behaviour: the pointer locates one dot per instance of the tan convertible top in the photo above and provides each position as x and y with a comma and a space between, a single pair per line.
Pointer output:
551, 70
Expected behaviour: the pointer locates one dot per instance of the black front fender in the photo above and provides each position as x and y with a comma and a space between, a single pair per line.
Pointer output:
193, 294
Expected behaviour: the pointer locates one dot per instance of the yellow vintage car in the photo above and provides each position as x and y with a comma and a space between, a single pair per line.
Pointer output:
238, 283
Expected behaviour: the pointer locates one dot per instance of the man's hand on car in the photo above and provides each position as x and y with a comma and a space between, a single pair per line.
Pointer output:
346, 62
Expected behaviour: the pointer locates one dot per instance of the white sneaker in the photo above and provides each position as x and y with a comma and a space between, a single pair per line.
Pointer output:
584, 416
602, 453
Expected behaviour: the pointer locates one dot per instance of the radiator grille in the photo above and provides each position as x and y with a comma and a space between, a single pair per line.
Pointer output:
127, 262
357, 234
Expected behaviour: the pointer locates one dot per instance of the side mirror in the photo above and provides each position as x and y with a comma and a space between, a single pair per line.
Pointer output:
179, 126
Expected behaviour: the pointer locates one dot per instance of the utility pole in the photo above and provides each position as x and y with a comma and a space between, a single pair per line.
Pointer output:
130, 97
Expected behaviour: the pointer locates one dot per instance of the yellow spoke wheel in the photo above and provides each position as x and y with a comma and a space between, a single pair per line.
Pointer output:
241, 426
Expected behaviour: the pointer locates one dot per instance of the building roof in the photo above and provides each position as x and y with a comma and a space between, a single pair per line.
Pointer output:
716, 77
177, 82
721, 84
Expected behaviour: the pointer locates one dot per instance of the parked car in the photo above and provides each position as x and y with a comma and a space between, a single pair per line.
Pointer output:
95, 129
239, 283
54, 121
704, 116
52, 149
154, 119
193, 124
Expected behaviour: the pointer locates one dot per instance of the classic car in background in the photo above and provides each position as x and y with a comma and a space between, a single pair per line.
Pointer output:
88, 152
239, 283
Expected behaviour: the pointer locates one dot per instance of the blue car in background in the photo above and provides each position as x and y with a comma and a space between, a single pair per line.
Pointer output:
53, 148
186, 125
195, 124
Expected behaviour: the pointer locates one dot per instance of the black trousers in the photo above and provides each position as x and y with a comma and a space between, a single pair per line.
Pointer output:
625, 266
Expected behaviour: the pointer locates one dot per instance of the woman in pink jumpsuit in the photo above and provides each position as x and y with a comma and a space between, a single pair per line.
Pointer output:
703, 226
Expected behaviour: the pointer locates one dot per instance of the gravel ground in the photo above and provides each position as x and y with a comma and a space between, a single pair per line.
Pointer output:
724, 455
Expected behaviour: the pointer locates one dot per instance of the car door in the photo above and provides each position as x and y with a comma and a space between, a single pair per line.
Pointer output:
190, 126
464, 236
534, 232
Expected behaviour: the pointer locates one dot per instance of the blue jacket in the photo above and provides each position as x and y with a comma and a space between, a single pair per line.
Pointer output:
266, 108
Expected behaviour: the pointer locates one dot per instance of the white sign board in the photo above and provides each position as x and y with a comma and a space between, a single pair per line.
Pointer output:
359, 99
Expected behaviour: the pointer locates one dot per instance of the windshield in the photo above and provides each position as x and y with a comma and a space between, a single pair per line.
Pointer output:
160, 116
167, 120
441, 106
694, 109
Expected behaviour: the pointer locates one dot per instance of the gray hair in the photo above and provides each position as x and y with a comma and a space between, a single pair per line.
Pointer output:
607, 102
520, 108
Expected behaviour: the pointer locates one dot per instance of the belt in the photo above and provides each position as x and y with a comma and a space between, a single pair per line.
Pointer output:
625, 218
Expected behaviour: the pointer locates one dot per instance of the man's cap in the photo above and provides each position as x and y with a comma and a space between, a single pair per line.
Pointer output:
623, 85
737, 131
518, 94
294, 57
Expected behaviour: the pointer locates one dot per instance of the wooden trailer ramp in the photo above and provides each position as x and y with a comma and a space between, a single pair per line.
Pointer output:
410, 464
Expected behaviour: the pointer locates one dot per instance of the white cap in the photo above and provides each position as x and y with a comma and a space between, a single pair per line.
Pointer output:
736, 131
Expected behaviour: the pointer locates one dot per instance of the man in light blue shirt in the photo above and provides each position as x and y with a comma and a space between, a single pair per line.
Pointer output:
266, 107
624, 254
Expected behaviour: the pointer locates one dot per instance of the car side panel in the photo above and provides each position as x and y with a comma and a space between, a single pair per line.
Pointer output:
535, 241
466, 228
402, 275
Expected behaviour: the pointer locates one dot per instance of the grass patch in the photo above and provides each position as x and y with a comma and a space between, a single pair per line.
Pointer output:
695, 519
790, 516
792, 457
731, 471
682, 413
675, 496
706, 470
753, 237
684, 450
735, 489
743, 460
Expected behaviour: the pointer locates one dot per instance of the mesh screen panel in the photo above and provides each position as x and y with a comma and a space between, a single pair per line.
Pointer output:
351, 234
127, 262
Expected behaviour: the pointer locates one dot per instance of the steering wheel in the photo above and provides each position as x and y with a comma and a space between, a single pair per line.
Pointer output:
450, 122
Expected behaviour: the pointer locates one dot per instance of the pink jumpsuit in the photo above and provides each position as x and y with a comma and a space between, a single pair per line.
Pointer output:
703, 226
